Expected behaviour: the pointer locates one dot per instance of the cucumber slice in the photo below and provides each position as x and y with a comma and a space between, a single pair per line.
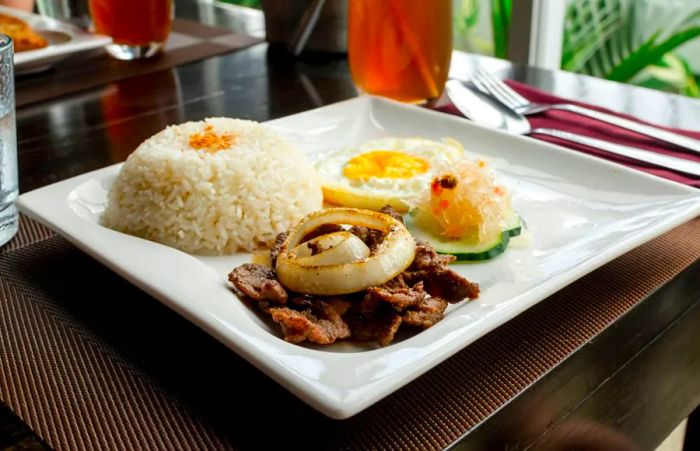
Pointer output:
464, 251
468, 251
514, 227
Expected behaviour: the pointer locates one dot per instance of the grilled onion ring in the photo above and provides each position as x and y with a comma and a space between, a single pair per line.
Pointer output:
393, 255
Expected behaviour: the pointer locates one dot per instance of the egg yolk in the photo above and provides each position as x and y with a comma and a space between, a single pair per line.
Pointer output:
385, 164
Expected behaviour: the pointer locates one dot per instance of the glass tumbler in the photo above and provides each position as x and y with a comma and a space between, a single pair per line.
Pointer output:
139, 28
8, 144
400, 48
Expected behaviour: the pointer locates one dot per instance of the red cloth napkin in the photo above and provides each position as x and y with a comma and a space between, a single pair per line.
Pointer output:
562, 120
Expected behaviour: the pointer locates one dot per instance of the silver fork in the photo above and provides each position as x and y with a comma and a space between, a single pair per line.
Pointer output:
488, 84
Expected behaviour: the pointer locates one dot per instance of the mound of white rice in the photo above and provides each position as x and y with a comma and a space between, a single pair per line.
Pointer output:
217, 200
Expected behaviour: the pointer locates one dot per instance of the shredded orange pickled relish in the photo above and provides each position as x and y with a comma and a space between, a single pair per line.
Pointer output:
210, 141
465, 202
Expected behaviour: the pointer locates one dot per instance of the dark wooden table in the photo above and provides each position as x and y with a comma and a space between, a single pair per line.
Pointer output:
655, 368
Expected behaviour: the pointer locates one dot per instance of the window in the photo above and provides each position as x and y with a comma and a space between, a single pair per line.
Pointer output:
652, 43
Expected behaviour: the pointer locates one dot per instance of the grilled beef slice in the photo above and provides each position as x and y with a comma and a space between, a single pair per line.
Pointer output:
380, 328
428, 312
426, 258
399, 297
258, 283
371, 237
439, 280
321, 323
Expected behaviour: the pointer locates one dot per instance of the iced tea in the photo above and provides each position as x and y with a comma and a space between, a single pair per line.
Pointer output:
140, 26
400, 48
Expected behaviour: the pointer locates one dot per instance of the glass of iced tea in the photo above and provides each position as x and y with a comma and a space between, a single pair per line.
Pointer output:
400, 48
139, 28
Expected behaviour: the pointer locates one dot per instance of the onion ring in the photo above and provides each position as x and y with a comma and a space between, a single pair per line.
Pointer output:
391, 257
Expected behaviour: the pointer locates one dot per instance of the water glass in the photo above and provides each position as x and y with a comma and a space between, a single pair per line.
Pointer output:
9, 189
139, 28
400, 48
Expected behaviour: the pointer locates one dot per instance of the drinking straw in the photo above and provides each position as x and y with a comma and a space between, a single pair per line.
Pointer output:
305, 27
414, 46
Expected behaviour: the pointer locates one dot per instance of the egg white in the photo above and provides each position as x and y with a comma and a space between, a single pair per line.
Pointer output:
438, 154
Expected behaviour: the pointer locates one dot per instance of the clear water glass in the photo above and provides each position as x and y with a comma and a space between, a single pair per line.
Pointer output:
9, 188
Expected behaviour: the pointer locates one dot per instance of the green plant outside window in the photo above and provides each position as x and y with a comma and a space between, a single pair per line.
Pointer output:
601, 38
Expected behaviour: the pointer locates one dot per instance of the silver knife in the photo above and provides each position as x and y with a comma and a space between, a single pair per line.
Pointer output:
648, 130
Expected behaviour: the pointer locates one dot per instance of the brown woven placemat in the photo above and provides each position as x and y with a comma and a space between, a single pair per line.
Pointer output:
90, 362
189, 41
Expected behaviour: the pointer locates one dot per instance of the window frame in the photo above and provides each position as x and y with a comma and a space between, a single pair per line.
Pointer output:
537, 33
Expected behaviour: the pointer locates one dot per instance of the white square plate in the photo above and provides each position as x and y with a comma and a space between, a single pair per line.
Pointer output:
581, 212
64, 40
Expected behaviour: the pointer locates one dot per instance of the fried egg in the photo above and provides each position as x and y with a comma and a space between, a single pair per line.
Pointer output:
391, 171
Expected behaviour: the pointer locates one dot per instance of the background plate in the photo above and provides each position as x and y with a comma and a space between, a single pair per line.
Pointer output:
64, 40
581, 212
